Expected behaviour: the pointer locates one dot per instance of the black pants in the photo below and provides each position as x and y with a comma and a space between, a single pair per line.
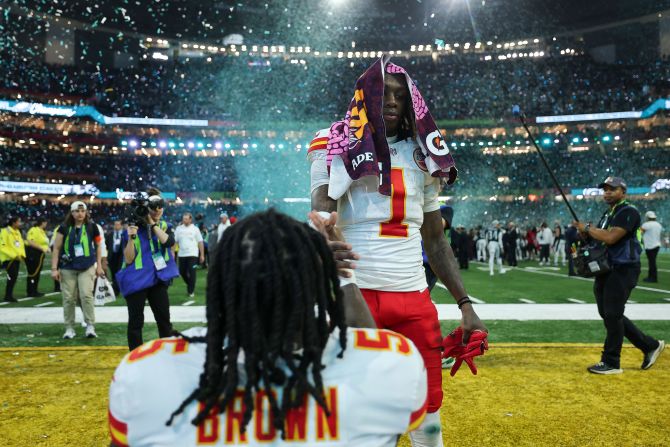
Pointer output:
510, 252
612, 291
544, 252
571, 264
160, 306
463, 258
651, 257
114, 261
12, 268
34, 262
187, 267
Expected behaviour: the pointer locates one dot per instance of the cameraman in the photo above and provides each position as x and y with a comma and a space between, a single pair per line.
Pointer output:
148, 266
618, 229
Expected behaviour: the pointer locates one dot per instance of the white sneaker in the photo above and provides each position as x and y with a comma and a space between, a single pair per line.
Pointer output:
69, 334
491, 273
83, 324
448, 362
191, 295
90, 332
503, 271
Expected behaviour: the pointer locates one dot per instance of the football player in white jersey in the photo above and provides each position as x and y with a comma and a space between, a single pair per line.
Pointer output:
278, 364
387, 232
494, 246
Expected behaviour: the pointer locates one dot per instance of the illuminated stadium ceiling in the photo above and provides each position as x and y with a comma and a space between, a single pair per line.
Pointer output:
368, 22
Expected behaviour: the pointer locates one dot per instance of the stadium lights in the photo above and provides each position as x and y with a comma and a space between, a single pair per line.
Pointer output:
191, 144
162, 144
132, 143
217, 145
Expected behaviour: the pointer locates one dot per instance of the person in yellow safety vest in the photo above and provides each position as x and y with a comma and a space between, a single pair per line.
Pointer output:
12, 252
37, 246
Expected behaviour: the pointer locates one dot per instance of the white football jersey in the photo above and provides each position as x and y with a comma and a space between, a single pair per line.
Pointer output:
376, 392
385, 230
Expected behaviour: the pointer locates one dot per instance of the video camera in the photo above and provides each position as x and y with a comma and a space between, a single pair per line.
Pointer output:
138, 210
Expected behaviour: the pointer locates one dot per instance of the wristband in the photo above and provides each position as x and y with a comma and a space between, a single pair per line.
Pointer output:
464, 300
344, 281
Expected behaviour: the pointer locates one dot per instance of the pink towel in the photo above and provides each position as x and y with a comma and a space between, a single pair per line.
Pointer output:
357, 145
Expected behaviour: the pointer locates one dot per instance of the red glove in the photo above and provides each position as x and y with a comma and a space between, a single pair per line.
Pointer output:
454, 347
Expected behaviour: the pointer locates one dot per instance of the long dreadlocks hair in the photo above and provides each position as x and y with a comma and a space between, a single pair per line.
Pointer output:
272, 288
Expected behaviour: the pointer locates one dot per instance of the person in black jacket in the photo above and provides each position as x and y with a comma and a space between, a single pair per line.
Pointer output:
618, 229
115, 252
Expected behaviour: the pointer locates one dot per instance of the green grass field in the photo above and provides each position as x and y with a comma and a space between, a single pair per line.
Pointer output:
529, 282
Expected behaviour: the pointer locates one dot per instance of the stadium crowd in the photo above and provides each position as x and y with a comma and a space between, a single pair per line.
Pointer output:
457, 86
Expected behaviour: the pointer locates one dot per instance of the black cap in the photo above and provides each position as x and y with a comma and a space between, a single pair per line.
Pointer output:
614, 182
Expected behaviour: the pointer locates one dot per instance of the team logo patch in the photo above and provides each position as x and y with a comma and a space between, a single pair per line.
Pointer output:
420, 159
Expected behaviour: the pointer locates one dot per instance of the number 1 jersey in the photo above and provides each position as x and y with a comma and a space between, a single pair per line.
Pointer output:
384, 230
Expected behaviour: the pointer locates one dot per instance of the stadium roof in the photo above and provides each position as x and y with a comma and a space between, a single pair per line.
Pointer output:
344, 20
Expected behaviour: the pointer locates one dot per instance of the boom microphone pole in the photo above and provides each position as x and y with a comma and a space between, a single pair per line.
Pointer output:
516, 111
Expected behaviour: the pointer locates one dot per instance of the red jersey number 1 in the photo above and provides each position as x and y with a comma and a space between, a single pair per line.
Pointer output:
395, 227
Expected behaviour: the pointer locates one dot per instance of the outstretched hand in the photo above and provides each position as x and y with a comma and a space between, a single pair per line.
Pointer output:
342, 251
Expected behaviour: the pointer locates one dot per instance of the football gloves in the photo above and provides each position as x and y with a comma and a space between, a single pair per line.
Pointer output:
454, 347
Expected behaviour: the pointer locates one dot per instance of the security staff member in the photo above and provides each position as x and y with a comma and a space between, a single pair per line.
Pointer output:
37, 246
147, 271
12, 252
618, 229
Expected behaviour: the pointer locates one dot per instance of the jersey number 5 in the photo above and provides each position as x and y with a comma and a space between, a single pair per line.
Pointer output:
395, 227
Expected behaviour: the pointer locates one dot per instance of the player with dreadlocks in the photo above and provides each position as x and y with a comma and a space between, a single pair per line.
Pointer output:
284, 354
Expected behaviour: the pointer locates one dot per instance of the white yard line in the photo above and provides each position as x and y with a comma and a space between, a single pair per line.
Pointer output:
472, 298
196, 314
188, 303
28, 298
532, 270
527, 301
47, 303
575, 300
